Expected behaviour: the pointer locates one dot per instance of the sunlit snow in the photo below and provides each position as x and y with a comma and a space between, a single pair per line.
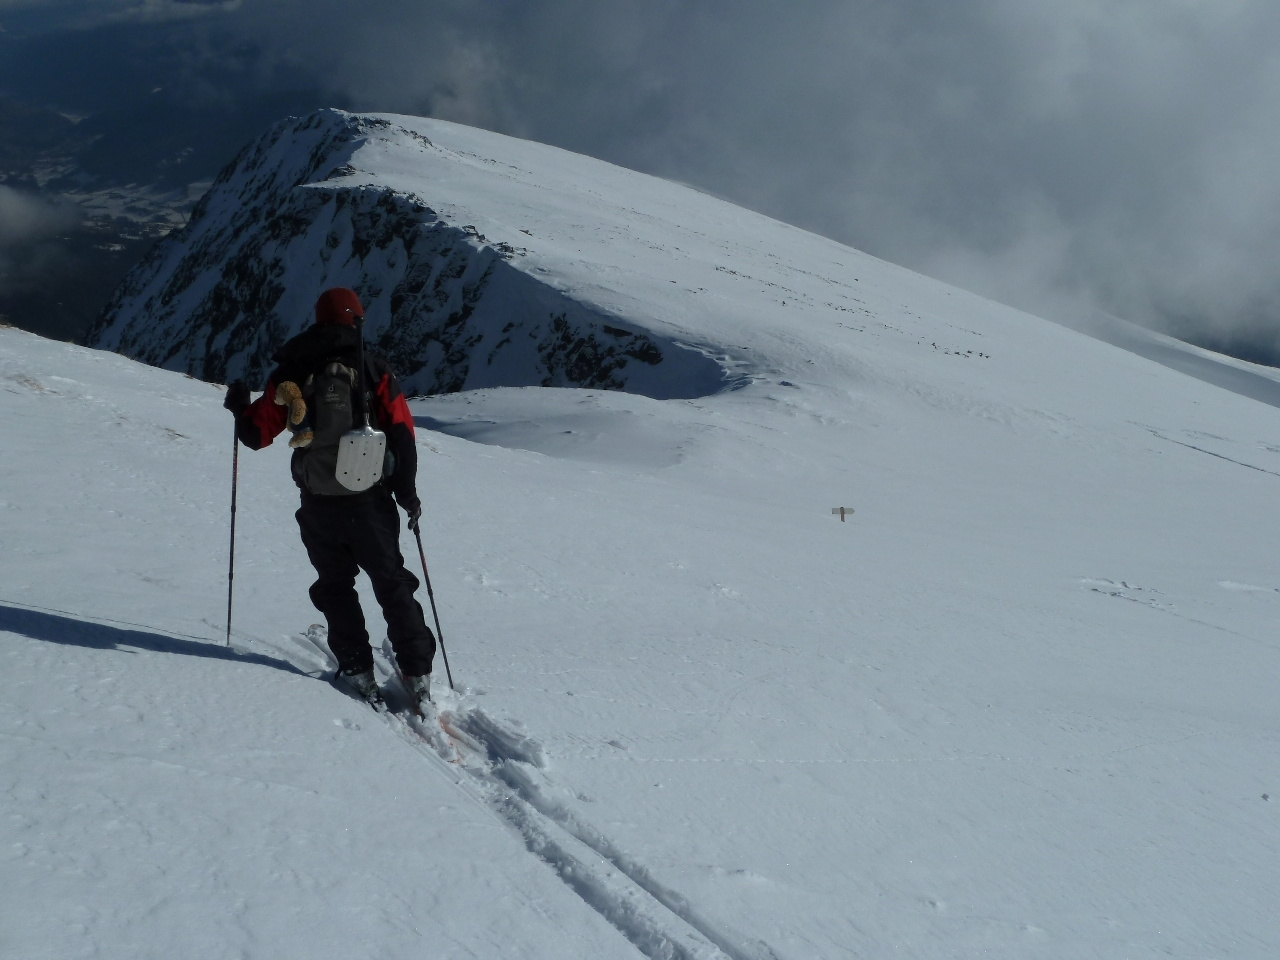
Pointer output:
1022, 703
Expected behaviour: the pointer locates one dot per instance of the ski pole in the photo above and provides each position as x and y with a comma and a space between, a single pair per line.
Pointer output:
231, 562
432, 597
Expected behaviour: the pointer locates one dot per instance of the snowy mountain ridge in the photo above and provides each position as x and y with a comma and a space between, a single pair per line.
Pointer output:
487, 261
325, 200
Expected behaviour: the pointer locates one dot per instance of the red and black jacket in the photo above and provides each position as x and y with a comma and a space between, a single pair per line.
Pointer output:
305, 355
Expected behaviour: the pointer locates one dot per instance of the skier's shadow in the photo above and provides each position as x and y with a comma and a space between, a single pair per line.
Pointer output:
62, 628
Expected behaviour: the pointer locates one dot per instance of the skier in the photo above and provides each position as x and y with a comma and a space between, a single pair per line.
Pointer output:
346, 532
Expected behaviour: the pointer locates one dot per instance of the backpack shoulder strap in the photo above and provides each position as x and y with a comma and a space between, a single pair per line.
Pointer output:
372, 380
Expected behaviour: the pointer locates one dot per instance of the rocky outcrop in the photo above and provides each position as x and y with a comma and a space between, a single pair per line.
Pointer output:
451, 308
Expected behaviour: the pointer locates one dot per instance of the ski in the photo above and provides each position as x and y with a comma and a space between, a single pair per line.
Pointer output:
436, 722
316, 637
438, 729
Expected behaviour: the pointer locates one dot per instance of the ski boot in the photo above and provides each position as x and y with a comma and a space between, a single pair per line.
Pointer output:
419, 690
363, 683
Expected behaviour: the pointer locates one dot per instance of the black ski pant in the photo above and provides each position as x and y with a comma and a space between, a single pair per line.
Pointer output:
344, 535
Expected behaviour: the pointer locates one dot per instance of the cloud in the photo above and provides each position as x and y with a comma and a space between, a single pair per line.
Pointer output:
163, 11
26, 218
140, 9
27, 222
1109, 153
43, 16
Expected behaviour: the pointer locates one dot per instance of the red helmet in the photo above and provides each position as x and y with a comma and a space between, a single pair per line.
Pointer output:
339, 305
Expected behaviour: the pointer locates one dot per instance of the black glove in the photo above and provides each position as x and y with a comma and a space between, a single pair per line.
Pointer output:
414, 509
237, 397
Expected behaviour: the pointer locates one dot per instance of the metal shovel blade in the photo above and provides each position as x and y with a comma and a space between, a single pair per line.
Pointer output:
360, 457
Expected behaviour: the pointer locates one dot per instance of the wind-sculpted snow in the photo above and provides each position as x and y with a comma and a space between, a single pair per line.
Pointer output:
291, 216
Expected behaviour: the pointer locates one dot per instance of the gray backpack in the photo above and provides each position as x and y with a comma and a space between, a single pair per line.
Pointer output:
330, 396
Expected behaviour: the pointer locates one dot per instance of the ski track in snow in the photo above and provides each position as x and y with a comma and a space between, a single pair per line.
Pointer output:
504, 770
1190, 446
1146, 597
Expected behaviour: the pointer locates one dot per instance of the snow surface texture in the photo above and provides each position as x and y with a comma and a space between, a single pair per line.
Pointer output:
1022, 703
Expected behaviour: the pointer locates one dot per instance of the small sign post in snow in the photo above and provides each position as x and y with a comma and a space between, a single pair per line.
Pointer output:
842, 511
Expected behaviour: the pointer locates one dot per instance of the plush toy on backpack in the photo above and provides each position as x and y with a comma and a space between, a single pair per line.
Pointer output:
299, 420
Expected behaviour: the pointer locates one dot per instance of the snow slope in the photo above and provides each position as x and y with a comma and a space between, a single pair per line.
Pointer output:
1022, 703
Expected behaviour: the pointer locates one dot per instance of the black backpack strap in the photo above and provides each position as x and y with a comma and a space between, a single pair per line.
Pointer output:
371, 381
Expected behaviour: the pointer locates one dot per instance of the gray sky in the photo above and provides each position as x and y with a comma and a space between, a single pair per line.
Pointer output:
1112, 154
